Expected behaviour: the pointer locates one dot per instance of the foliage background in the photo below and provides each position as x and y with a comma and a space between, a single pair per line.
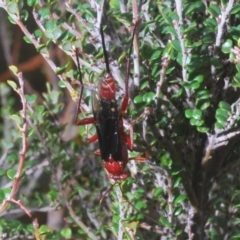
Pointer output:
184, 109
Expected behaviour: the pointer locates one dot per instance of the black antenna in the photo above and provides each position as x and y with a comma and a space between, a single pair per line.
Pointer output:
104, 50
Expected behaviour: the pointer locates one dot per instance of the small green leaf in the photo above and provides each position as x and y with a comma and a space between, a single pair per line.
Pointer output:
193, 121
225, 106
24, 15
156, 55
32, 3
177, 94
214, 10
219, 125
13, 69
17, 119
203, 94
226, 46
139, 205
11, 173
176, 45
12, 7
11, 20
148, 97
165, 222
194, 84
31, 98
177, 182
189, 113
27, 40
57, 32
66, 233
61, 84
138, 99
44, 230
12, 84
62, 69
203, 129
199, 78
179, 199
177, 211
197, 114
7, 192
37, 33
157, 192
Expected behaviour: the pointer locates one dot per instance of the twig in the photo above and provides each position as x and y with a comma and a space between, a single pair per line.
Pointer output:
136, 19
177, 26
223, 21
22, 155
165, 62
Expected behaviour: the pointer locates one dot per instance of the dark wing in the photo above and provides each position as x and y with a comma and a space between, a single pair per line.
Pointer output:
106, 117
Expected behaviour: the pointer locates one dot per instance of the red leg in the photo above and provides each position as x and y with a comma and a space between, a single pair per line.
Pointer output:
93, 138
84, 121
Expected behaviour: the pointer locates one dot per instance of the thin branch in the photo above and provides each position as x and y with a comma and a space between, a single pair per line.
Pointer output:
136, 19
23, 151
165, 62
223, 21
177, 26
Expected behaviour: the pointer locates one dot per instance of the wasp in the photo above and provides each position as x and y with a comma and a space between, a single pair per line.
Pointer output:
108, 118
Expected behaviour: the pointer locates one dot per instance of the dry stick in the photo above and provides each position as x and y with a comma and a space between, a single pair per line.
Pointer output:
136, 76
22, 155
165, 62
177, 26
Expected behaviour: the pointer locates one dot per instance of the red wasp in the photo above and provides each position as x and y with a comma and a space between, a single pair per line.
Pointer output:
108, 120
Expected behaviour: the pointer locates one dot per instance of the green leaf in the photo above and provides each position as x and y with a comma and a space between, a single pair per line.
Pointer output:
12, 84
17, 119
194, 85
61, 84
165, 222
203, 129
179, 199
139, 205
236, 80
57, 32
235, 9
66, 232
44, 230
11, 20
62, 69
24, 15
177, 182
13, 69
7, 192
189, 113
176, 45
37, 33
177, 94
197, 114
148, 97
32, 3
219, 125
156, 55
157, 192
27, 40
214, 10
226, 106
226, 46
31, 98
12, 7
11, 173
